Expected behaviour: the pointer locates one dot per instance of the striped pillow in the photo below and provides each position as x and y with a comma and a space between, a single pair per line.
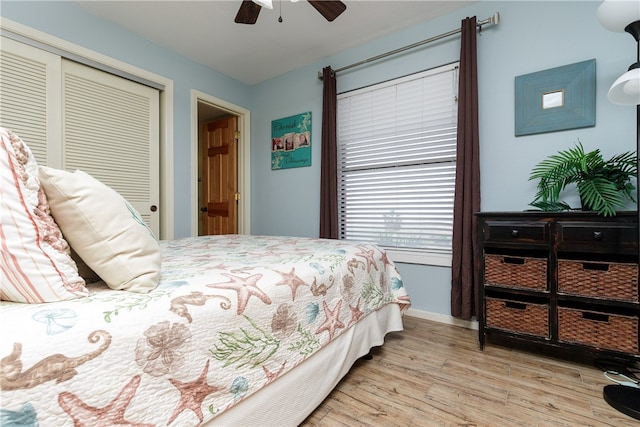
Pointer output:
35, 260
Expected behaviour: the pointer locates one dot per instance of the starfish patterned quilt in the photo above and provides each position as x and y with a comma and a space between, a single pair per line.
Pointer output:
231, 314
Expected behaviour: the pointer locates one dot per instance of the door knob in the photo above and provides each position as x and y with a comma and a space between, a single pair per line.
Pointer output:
203, 209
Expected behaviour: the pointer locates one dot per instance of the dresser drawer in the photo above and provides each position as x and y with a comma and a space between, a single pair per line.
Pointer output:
518, 317
516, 232
600, 330
600, 280
515, 272
619, 238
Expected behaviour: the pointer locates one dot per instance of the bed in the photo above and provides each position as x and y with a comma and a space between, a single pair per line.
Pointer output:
221, 330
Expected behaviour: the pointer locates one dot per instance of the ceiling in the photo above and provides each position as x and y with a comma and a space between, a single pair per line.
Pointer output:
204, 30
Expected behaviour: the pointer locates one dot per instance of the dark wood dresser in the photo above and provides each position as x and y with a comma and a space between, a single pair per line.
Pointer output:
562, 283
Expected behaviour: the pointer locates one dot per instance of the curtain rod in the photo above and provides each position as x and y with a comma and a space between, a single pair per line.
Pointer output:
495, 19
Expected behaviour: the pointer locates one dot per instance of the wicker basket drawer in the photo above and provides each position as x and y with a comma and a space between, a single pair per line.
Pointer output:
515, 316
603, 280
600, 330
515, 272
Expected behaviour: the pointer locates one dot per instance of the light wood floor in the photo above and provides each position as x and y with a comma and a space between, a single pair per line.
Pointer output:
433, 374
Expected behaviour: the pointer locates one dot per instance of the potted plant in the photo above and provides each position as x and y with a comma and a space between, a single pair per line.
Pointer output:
603, 185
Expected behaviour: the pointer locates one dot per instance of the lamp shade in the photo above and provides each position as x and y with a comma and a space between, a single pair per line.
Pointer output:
264, 3
615, 15
626, 89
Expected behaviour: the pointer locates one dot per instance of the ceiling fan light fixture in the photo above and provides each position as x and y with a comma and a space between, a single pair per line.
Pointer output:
264, 3
250, 9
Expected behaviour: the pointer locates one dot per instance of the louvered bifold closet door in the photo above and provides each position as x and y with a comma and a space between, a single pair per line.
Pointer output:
29, 97
111, 131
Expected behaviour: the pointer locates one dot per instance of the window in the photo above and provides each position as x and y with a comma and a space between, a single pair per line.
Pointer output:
396, 162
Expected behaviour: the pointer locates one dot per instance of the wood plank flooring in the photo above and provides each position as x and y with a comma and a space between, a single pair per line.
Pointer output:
433, 374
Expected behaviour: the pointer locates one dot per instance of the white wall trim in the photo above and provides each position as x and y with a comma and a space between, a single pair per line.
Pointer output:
409, 256
244, 159
166, 108
442, 318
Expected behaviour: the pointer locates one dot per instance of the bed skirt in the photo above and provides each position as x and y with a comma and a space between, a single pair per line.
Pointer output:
290, 400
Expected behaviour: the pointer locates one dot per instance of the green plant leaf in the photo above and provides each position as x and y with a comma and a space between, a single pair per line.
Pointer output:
551, 206
603, 186
600, 195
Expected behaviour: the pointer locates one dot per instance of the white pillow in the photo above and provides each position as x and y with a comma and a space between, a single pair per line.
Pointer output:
103, 229
35, 260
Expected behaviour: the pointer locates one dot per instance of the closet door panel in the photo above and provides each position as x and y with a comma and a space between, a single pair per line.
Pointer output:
75, 117
111, 131
30, 88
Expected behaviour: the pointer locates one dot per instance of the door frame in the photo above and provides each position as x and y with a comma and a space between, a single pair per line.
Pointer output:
244, 158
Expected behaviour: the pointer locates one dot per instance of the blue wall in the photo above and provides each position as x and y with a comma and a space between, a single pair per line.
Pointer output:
531, 36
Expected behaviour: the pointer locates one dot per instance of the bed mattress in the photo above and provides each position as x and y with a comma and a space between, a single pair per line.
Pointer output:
232, 315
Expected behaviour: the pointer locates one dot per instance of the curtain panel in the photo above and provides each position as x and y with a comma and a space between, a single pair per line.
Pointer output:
467, 189
328, 158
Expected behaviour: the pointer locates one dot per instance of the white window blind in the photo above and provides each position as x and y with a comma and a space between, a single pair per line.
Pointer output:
396, 161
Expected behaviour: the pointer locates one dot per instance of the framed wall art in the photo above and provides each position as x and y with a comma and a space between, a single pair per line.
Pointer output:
291, 142
556, 99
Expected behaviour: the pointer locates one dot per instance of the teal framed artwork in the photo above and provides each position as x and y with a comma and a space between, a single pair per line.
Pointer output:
291, 142
556, 99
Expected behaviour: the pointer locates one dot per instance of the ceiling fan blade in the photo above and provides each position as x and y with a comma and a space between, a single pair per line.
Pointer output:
248, 13
330, 9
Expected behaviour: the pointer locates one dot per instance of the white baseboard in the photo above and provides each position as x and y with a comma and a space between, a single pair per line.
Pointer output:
442, 318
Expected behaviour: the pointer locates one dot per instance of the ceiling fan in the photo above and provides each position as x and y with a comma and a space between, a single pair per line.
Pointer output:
250, 9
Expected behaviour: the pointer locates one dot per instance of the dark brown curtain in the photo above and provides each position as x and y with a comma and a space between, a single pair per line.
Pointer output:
328, 159
467, 192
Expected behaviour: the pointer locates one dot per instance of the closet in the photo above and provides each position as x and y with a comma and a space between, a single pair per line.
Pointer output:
73, 116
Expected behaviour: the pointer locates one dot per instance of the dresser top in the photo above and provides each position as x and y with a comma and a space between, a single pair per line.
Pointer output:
565, 214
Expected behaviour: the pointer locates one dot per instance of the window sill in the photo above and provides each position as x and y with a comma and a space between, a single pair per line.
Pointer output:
419, 257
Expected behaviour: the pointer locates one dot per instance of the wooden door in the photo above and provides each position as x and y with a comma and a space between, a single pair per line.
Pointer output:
219, 207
